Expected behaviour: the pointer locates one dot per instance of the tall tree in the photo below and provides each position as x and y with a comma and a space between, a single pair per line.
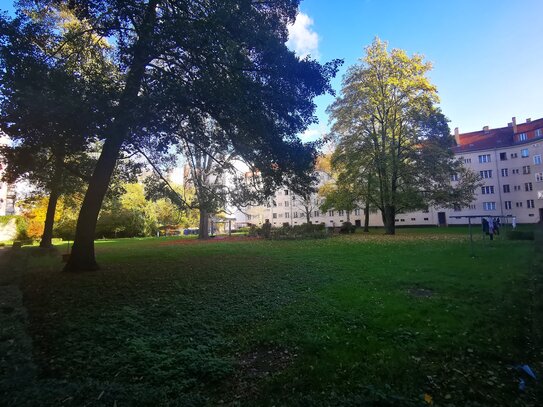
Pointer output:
48, 105
387, 114
227, 58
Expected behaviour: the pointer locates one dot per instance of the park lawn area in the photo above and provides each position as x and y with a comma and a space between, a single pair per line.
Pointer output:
351, 320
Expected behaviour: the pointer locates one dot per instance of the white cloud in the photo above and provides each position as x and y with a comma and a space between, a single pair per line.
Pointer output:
301, 38
313, 133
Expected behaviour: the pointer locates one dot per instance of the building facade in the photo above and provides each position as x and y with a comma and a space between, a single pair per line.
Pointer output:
508, 160
7, 191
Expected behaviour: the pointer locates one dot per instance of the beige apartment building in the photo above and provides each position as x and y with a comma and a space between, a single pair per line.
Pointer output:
508, 160
7, 191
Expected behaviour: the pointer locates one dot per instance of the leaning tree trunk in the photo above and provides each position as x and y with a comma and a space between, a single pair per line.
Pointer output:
389, 216
54, 194
203, 232
47, 236
82, 257
367, 217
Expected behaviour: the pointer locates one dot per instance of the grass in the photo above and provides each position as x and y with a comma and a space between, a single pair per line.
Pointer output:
353, 320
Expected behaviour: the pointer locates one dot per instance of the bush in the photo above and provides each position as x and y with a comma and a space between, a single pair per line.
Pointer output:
304, 231
520, 235
347, 227
21, 225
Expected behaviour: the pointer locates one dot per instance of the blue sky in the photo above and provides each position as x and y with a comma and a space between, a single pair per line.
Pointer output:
487, 54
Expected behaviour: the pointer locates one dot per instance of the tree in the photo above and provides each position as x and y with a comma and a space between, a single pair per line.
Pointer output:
48, 107
342, 197
227, 58
387, 116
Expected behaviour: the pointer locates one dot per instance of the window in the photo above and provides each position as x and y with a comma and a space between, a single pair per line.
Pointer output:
486, 174
357, 212
539, 177
539, 133
457, 208
467, 160
340, 213
514, 155
425, 218
485, 158
505, 172
330, 213
515, 170
274, 203
522, 137
316, 214
506, 188
489, 206
528, 186
487, 190
280, 204
413, 219
507, 204
530, 203
537, 159
294, 214
286, 192
526, 169
517, 187
287, 215
472, 206
503, 156
518, 204
454, 177
402, 220
524, 153
274, 215
286, 203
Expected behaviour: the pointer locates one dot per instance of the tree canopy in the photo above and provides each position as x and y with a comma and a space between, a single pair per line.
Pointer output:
390, 130
178, 60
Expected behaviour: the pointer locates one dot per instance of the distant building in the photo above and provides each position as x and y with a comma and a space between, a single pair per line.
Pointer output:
508, 160
7, 191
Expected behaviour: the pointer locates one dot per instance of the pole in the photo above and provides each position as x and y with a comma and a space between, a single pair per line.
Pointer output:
471, 238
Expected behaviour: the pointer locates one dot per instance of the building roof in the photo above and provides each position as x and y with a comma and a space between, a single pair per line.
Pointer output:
498, 138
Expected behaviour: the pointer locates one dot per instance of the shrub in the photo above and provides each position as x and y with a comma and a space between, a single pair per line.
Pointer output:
347, 227
304, 231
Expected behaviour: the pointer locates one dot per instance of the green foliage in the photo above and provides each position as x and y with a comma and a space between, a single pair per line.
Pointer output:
392, 139
304, 231
347, 227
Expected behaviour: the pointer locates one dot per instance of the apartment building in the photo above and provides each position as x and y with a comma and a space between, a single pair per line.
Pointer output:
508, 160
7, 192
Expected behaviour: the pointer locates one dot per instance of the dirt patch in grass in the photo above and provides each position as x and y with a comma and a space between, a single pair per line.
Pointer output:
218, 239
253, 367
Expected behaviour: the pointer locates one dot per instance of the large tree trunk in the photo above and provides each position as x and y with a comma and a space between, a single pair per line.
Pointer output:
308, 215
389, 218
82, 257
54, 193
203, 232
47, 236
367, 217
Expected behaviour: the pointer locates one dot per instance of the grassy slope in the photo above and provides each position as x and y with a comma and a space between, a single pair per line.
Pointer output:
342, 321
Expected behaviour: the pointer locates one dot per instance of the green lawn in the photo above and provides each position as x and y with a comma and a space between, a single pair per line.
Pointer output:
352, 320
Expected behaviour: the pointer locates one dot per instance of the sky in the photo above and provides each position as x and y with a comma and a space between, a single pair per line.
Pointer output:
487, 55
